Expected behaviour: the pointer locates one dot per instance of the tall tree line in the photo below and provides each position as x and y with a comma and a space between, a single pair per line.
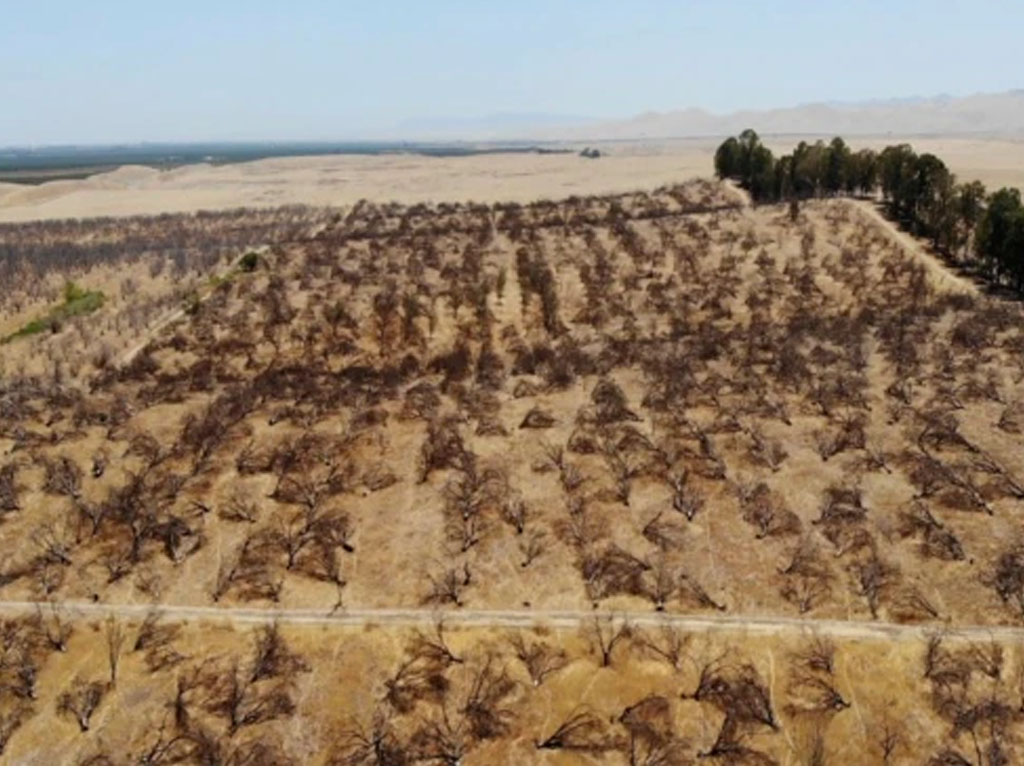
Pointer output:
919, 191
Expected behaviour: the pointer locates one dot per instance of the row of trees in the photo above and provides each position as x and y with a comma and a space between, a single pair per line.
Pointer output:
918, 189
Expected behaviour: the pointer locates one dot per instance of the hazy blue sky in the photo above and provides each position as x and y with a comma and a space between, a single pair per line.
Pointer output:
147, 70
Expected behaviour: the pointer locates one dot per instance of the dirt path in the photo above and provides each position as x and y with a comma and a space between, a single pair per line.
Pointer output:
171, 316
519, 618
148, 335
942, 274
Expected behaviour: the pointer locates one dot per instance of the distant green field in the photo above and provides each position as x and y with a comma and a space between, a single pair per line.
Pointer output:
41, 164
76, 302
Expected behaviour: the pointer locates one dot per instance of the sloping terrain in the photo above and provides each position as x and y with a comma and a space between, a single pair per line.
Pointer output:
608, 407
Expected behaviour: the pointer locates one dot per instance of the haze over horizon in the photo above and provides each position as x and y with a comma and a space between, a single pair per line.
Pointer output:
119, 72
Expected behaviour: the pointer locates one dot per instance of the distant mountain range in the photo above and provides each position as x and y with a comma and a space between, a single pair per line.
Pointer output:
1001, 113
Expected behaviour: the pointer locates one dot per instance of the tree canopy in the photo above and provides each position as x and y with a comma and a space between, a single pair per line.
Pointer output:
918, 190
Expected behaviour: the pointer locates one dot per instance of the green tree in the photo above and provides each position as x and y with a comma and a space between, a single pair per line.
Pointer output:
727, 159
862, 176
930, 176
761, 177
970, 206
784, 188
749, 143
809, 162
836, 166
998, 234
895, 167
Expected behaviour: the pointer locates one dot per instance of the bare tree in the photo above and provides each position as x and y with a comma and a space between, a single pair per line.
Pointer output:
738, 691
667, 644
1006, 577
767, 513
515, 513
113, 632
650, 728
81, 699
812, 678
605, 633
448, 586
540, 659
54, 626
271, 656
243, 702
376, 743
10, 720
581, 730
890, 738
873, 578
685, 499
9, 489
433, 647
532, 547
807, 578
63, 478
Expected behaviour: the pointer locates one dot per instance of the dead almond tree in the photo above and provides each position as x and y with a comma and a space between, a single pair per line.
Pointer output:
737, 691
243, 702
936, 540
472, 707
80, 700
259, 690
55, 541
10, 720
374, 743
187, 681
874, 578
812, 685
154, 639
685, 499
448, 586
766, 451
651, 733
115, 636
667, 644
240, 508
514, 512
532, 547
766, 512
660, 581
433, 647
665, 534
540, 659
9, 489
581, 731
1006, 577
63, 478
605, 633
690, 587
271, 657
485, 701
53, 626
443, 448
889, 737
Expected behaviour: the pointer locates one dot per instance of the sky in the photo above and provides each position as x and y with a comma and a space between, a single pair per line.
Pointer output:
105, 71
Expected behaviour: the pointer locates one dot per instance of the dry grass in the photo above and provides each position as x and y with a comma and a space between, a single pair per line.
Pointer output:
654, 401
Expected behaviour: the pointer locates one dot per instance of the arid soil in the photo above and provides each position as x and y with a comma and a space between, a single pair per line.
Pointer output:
624, 166
640, 404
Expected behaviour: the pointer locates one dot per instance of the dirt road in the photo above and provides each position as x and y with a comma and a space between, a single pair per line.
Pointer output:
943, 275
516, 618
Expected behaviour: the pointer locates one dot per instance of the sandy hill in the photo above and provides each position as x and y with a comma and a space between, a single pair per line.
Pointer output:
999, 113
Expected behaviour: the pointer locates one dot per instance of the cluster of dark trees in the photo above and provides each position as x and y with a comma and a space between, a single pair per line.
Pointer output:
918, 189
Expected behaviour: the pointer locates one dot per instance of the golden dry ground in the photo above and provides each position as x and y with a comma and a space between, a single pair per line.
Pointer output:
625, 166
653, 403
